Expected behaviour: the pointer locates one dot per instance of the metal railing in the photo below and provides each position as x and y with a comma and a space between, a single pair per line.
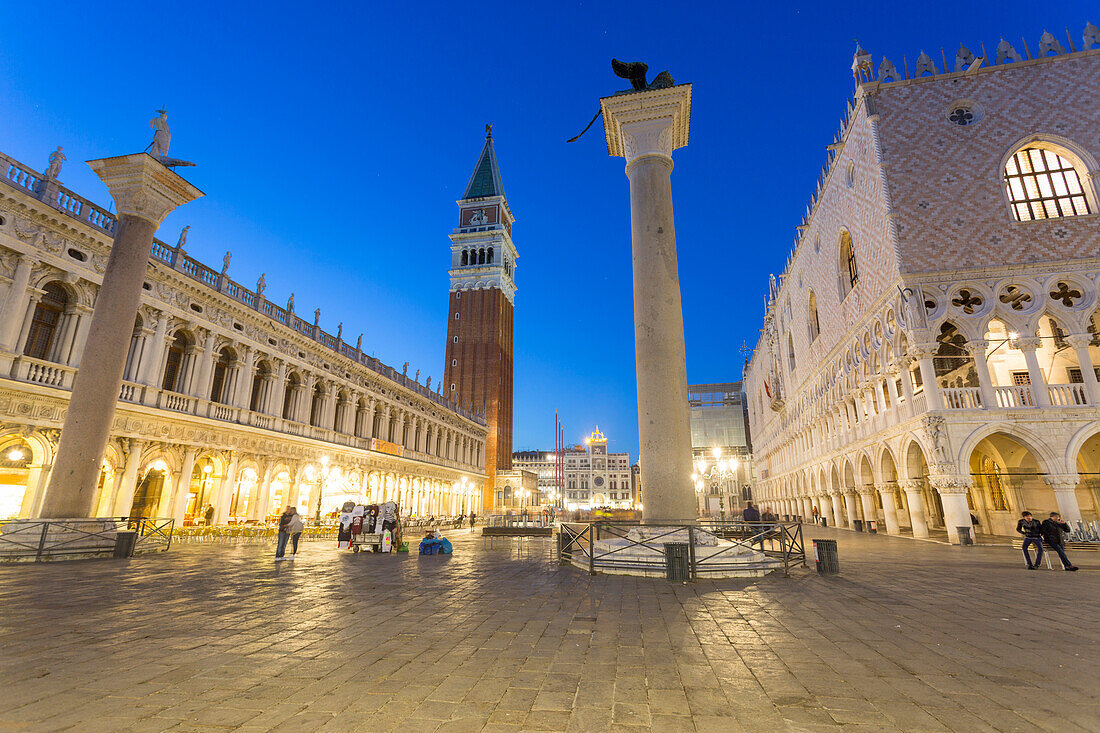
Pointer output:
780, 541
520, 520
37, 540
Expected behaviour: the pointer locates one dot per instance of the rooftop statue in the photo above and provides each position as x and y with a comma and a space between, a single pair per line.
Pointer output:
183, 237
225, 262
162, 139
290, 304
56, 159
635, 72
261, 285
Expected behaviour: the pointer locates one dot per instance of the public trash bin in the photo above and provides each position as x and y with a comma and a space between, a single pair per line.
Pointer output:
826, 558
965, 536
125, 541
872, 527
677, 561
858, 524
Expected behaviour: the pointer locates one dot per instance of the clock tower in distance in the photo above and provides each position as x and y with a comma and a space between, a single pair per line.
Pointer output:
478, 369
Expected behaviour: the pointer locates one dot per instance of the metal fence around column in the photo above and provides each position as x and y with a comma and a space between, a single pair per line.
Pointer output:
38, 540
780, 543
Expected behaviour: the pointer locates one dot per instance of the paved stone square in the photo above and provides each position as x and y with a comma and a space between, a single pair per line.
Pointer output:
913, 636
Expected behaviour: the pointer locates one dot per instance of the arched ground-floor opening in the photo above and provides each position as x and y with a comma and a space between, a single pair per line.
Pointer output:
1088, 468
1007, 478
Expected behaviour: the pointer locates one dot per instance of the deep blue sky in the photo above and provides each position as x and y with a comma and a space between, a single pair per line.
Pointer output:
333, 141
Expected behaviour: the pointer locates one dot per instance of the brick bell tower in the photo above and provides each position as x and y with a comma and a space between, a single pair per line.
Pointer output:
478, 370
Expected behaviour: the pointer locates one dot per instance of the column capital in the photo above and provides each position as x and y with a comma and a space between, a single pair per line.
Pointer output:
866, 490
1028, 343
950, 483
976, 347
923, 351
910, 484
1061, 481
1079, 340
652, 122
143, 187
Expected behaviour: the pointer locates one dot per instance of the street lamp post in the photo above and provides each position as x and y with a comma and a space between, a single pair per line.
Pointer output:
723, 472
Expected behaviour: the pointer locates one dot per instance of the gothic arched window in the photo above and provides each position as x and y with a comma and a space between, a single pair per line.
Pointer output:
814, 323
849, 271
45, 321
481, 257
490, 258
1042, 184
464, 258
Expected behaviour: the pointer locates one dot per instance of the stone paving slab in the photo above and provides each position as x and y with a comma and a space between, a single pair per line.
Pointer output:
911, 636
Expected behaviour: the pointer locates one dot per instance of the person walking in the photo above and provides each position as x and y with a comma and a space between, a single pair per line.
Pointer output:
284, 532
1032, 530
1054, 531
295, 527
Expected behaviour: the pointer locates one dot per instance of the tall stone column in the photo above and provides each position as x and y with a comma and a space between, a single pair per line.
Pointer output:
913, 498
1080, 344
125, 495
145, 191
16, 303
850, 508
1065, 493
889, 507
1039, 392
183, 486
838, 513
644, 127
867, 500
826, 507
956, 510
977, 349
933, 400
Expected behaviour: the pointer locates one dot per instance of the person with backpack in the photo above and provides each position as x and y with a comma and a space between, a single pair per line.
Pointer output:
1054, 531
1032, 530
295, 526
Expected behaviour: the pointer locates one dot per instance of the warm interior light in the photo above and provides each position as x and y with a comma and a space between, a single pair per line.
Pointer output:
1013, 335
208, 468
717, 452
160, 466
15, 455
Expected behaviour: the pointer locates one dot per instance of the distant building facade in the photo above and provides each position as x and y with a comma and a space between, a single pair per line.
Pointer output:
231, 407
593, 477
930, 352
720, 446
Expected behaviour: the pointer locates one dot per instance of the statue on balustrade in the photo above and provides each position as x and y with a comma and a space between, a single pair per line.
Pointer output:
183, 237
405, 370
261, 285
417, 377
225, 262
428, 386
54, 169
340, 332
316, 316
359, 343
290, 304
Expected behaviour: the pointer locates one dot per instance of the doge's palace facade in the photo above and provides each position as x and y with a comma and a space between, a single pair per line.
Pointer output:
232, 407
929, 356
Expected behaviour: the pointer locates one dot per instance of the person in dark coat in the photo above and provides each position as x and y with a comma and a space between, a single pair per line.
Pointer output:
284, 532
1032, 530
750, 513
1054, 531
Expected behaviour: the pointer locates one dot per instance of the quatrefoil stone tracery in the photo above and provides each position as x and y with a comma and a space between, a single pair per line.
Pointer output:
968, 300
1016, 298
1068, 295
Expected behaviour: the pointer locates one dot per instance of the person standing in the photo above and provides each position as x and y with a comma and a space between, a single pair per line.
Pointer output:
295, 527
1032, 530
750, 513
284, 532
1054, 531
